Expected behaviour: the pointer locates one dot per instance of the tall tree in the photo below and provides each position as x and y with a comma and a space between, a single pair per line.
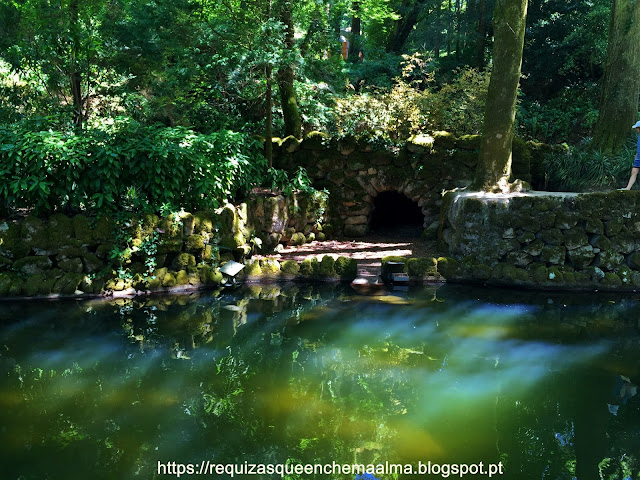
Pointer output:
482, 35
355, 40
494, 166
403, 26
621, 80
286, 75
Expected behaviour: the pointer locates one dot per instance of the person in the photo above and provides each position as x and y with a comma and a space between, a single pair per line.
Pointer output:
636, 162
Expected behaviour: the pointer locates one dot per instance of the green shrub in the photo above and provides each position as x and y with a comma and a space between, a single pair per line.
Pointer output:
125, 166
581, 169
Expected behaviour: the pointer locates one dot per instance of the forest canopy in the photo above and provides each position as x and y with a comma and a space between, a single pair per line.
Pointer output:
375, 69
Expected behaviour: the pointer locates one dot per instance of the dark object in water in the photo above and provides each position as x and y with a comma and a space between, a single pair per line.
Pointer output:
394, 274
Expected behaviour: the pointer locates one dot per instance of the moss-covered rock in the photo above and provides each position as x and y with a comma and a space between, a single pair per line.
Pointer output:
60, 230
519, 258
82, 230
540, 274
5, 283
625, 274
252, 268
182, 278
68, 284
209, 275
634, 261
625, 242
290, 267
169, 245
594, 225
534, 248
346, 268
609, 260
582, 256
73, 265
188, 224
613, 226
555, 275
601, 242
184, 261
91, 263
233, 242
327, 267
552, 236
449, 268
575, 237
169, 280
195, 243
34, 233
32, 265
469, 142
315, 141
103, 230
270, 267
445, 140
422, 267
16, 287
297, 239
308, 266
554, 255
481, 271
611, 280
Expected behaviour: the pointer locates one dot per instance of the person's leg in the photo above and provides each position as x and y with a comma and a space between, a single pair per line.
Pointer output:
632, 179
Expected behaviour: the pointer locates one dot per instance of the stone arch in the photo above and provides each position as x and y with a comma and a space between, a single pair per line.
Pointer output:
393, 209
357, 217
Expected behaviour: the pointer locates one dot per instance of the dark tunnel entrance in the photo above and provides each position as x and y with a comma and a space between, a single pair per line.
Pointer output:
394, 212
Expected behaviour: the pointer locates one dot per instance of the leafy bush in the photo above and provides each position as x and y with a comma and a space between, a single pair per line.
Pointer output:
567, 117
125, 166
582, 169
412, 105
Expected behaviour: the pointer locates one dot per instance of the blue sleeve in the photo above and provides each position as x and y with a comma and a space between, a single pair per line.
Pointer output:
638, 152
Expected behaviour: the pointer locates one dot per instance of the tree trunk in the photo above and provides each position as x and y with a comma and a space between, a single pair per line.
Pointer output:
438, 13
355, 41
457, 29
403, 27
75, 75
449, 29
494, 165
621, 80
482, 35
268, 129
286, 75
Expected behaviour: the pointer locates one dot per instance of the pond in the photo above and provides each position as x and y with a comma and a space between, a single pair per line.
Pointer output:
531, 385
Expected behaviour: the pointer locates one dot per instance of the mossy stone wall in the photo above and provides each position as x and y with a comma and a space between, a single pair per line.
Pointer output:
544, 240
77, 255
355, 173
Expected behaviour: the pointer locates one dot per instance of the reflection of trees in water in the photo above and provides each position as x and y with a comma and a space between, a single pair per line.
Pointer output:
267, 379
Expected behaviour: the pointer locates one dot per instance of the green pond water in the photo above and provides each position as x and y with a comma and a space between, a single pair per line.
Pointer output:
541, 384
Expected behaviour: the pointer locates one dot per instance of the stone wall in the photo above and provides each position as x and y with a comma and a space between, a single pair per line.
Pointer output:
355, 172
548, 240
78, 255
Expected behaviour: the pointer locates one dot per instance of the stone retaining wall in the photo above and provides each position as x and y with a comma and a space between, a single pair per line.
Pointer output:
78, 255
539, 239
355, 172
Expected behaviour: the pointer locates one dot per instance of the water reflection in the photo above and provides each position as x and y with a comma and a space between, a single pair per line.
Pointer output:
312, 375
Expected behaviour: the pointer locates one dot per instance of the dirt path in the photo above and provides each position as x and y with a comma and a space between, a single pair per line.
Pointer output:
368, 251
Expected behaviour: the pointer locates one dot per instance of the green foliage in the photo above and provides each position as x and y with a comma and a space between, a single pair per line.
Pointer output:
582, 169
569, 116
125, 166
413, 105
